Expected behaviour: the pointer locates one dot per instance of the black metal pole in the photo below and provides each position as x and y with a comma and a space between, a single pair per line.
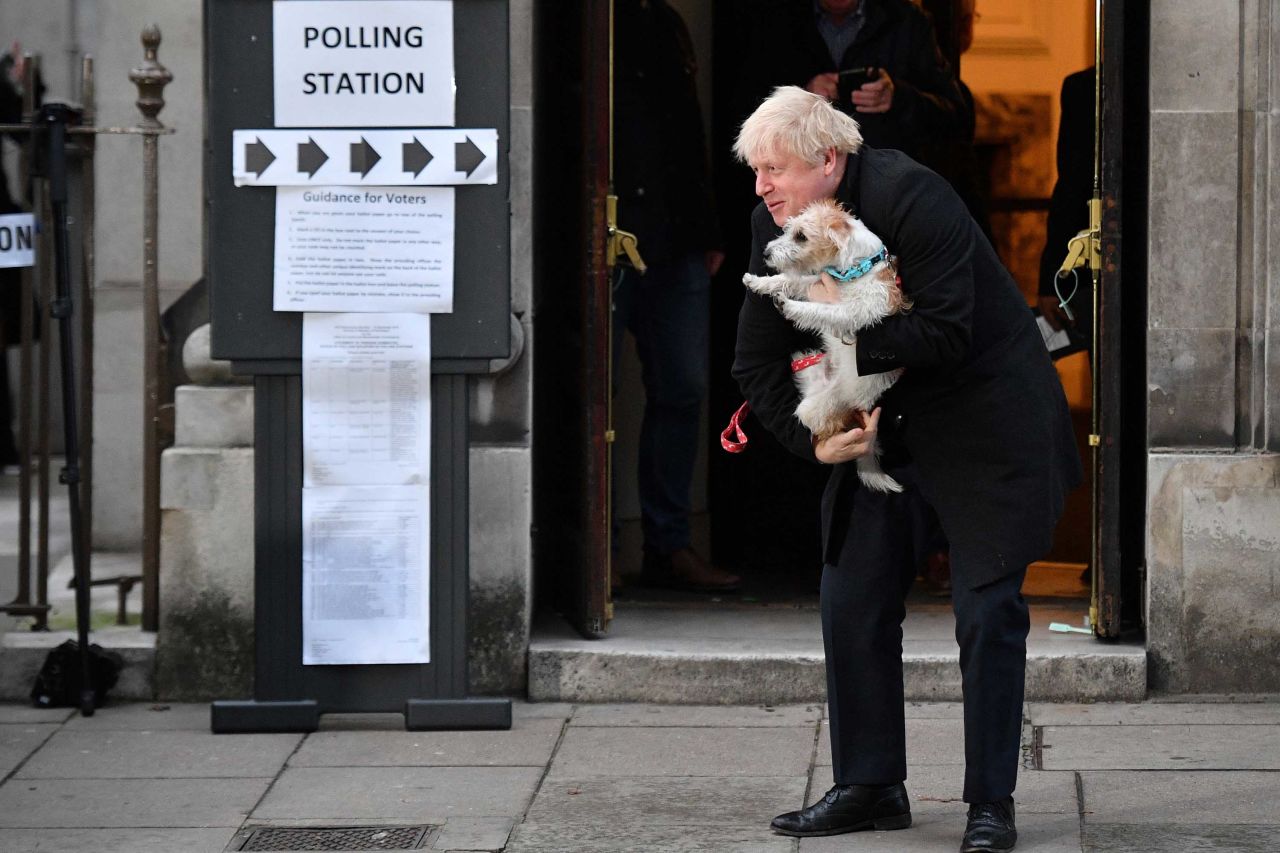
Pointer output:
55, 117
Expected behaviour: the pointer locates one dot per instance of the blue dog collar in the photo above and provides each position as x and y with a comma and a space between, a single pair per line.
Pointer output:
859, 269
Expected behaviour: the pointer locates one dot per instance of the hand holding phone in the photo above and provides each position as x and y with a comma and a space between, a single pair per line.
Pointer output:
852, 79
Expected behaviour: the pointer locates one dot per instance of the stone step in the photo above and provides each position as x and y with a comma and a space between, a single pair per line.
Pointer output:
22, 653
770, 656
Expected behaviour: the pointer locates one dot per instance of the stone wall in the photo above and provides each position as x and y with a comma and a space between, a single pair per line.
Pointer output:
501, 556
1213, 583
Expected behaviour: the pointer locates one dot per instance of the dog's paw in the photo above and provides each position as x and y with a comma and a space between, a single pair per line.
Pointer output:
879, 481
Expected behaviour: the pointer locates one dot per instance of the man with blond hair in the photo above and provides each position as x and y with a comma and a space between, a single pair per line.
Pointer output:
977, 424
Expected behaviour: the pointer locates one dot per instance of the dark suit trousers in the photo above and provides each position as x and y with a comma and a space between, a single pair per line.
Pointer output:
863, 607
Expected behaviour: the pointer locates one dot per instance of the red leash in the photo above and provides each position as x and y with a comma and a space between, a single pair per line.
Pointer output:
738, 442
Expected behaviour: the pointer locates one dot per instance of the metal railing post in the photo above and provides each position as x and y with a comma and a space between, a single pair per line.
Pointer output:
151, 78
88, 148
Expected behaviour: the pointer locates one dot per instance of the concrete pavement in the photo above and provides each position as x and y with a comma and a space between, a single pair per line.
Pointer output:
1153, 776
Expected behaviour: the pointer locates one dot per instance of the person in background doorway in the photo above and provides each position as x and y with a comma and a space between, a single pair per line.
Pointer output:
912, 93
663, 183
1069, 210
978, 424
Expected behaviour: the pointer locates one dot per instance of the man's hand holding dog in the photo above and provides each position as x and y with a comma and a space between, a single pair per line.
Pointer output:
824, 290
850, 445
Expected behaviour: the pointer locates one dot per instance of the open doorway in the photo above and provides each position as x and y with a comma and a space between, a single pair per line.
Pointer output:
1022, 51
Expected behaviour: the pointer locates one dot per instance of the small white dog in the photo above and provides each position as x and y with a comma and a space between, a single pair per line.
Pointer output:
824, 237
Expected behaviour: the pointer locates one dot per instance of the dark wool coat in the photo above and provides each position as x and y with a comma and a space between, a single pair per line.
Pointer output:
784, 47
981, 410
661, 173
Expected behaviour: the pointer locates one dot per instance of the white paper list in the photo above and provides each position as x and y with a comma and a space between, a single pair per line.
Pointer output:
366, 449
365, 592
366, 399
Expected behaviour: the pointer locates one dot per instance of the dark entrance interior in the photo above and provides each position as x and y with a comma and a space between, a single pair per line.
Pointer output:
756, 513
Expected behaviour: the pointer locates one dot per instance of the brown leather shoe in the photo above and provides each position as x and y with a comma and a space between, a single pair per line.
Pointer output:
686, 570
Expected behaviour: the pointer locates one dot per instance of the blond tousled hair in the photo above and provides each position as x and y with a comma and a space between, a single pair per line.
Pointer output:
796, 122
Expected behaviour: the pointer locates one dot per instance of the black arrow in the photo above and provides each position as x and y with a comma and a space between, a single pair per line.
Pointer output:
363, 157
415, 156
466, 157
258, 157
311, 157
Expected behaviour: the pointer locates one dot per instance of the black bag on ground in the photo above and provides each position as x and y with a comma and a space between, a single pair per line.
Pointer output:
58, 682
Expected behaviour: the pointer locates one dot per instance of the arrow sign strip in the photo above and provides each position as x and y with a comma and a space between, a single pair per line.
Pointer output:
408, 157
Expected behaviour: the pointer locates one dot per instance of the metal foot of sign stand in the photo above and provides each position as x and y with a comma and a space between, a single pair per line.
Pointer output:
244, 717
420, 715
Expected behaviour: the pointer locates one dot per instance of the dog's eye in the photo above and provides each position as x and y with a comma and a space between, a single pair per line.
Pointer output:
800, 237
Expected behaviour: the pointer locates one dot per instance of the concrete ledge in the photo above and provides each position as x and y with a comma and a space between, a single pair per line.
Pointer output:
774, 656
22, 653
563, 675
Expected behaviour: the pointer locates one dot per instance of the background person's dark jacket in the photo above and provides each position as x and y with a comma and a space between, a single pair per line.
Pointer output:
784, 47
661, 172
984, 416
1069, 205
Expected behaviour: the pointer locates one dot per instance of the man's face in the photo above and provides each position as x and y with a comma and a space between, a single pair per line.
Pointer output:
787, 183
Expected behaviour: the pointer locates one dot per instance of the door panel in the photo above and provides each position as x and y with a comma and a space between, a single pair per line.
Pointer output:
571, 305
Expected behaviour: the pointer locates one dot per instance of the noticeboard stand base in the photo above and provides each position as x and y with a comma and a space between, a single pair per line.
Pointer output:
303, 716
424, 715
231, 716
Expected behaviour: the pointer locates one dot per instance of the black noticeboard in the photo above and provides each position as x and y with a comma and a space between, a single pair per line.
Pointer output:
289, 696
241, 220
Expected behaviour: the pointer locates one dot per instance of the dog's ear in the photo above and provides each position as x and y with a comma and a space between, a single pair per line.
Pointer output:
839, 228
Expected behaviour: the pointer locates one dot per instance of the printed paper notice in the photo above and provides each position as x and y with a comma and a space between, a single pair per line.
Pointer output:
364, 249
363, 63
366, 399
365, 596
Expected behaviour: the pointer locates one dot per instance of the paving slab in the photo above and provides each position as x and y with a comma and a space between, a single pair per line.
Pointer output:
420, 794
474, 833
1154, 713
724, 716
645, 838
51, 803
541, 710
1192, 797
938, 787
155, 716
929, 741
1144, 838
940, 833
145, 840
680, 800
158, 755
1235, 747
18, 741
684, 751
10, 713
528, 744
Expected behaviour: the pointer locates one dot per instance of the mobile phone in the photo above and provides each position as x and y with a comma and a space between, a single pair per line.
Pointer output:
852, 79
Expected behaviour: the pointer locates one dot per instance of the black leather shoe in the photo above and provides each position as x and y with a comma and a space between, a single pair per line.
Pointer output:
990, 827
849, 808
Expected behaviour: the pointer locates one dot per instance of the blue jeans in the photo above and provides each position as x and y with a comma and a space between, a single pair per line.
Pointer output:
668, 311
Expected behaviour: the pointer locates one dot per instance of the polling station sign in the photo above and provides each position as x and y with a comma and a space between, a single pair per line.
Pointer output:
363, 63
17, 240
